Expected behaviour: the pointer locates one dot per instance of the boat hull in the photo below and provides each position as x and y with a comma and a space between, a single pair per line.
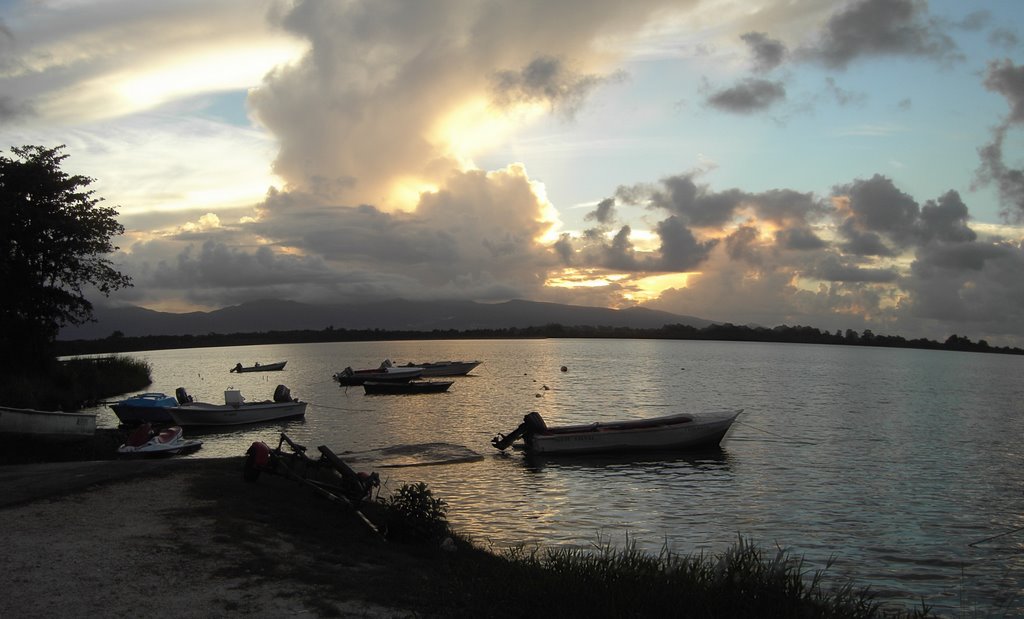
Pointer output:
443, 368
389, 375
145, 408
270, 367
196, 414
48, 425
402, 388
674, 433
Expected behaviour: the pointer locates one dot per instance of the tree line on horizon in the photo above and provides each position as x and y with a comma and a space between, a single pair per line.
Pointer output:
117, 342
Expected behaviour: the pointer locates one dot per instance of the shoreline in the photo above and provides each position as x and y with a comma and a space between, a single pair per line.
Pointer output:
190, 538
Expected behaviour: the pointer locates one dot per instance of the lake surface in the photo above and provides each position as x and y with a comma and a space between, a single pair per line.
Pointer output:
892, 462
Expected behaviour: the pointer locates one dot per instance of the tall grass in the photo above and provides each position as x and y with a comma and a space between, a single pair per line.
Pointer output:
740, 582
75, 383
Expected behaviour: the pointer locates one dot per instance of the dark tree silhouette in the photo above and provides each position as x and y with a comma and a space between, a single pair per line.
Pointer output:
53, 241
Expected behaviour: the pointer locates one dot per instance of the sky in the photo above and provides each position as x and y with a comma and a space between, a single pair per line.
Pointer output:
842, 165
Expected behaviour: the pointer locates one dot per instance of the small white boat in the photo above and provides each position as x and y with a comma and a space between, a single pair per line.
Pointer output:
349, 377
236, 411
669, 433
144, 441
439, 368
49, 425
267, 367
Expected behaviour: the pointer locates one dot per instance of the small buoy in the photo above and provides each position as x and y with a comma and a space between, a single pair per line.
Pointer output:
565, 369
537, 395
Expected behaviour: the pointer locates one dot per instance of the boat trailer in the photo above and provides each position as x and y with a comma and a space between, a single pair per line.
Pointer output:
328, 475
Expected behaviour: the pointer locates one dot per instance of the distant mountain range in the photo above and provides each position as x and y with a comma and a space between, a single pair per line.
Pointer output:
394, 315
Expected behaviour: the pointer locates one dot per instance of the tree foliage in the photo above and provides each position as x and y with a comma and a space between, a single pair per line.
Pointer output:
54, 242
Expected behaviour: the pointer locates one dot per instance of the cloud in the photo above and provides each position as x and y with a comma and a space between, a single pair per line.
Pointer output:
700, 206
748, 96
91, 61
799, 239
393, 97
841, 96
604, 213
833, 269
881, 28
545, 80
1008, 80
767, 53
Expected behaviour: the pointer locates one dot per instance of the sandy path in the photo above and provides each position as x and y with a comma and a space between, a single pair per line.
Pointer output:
142, 547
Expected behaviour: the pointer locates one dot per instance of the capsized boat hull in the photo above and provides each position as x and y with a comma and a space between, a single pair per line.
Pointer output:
195, 414
683, 432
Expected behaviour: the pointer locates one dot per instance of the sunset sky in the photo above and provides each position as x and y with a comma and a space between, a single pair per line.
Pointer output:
841, 165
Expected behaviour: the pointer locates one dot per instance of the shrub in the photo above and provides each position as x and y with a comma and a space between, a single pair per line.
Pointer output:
414, 514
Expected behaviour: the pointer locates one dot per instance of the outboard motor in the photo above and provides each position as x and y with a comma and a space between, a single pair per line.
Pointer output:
533, 423
282, 394
182, 396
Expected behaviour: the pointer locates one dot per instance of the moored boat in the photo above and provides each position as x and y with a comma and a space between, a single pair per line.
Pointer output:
47, 425
267, 367
236, 411
349, 377
406, 388
145, 408
669, 433
144, 441
440, 368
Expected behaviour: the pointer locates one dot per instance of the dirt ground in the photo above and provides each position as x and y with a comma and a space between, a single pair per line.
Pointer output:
189, 538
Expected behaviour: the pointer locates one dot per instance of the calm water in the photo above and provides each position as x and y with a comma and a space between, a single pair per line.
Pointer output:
891, 461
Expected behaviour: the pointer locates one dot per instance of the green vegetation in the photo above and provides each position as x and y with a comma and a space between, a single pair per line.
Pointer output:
609, 582
739, 582
53, 239
413, 514
72, 384
118, 342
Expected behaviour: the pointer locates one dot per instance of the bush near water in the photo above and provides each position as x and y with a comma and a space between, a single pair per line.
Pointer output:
73, 384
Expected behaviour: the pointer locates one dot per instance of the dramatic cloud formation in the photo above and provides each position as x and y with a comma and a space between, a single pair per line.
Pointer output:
779, 162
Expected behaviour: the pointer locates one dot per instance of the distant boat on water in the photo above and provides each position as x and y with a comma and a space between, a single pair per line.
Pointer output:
268, 367
438, 368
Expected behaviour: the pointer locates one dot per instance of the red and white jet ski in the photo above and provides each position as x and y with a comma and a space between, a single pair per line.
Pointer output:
143, 440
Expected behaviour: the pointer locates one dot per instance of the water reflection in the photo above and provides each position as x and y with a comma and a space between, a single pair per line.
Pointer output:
890, 461
711, 459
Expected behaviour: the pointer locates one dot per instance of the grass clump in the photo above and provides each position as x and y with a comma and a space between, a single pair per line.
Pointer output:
739, 582
75, 383
414, 514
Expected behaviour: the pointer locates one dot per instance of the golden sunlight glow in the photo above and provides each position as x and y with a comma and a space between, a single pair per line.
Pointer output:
583, 278
406, 191
205, 70
201, 70
475, 126
634, 289
652, 286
